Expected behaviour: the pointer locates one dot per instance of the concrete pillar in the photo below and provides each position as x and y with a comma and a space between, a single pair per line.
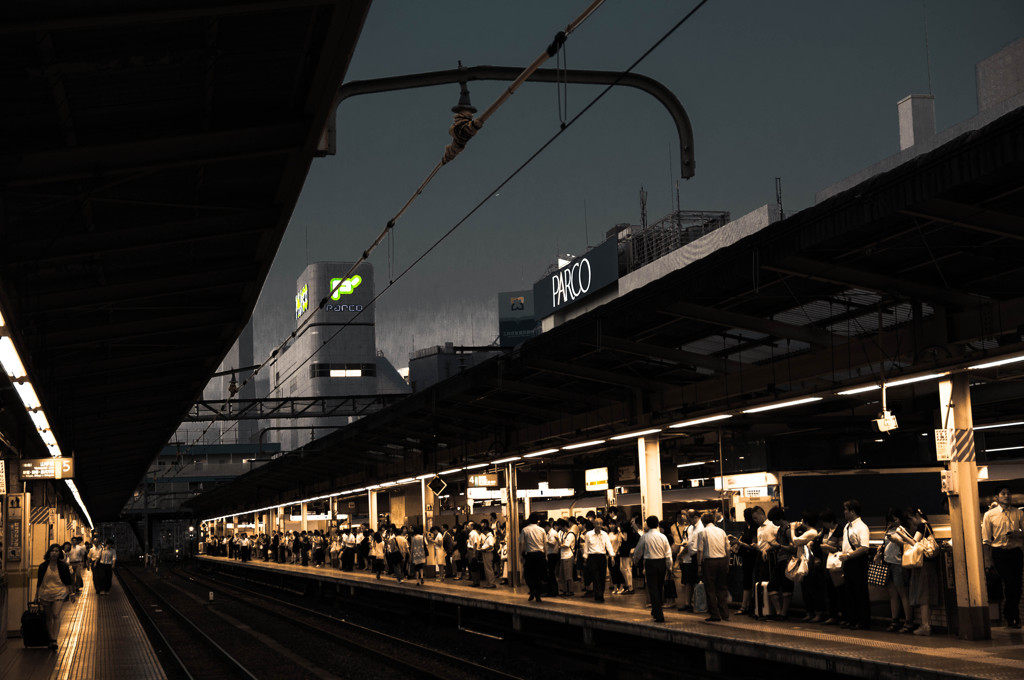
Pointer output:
373, 509
305, 519
964, 511
512, 535
649, 451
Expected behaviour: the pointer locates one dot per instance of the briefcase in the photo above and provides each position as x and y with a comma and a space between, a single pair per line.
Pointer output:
33, 627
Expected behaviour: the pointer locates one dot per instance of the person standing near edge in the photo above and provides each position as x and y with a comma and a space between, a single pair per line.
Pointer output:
531, 540
1002, 534
103, 572
653, 548
713, 560
856, 537
54, 585
596, 551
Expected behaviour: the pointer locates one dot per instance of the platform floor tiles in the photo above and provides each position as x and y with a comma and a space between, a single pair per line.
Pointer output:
100, 639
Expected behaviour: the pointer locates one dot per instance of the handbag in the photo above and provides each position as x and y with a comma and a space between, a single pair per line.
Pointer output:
833, 563
878, 573
798, 566
913, 556
928, 546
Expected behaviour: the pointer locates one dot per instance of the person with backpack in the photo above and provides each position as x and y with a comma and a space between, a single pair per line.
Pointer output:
448, 544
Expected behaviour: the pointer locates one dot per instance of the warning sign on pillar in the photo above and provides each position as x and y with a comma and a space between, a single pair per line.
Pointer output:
944, 443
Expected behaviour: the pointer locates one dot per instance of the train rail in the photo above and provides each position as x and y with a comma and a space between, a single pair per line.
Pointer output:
377, 648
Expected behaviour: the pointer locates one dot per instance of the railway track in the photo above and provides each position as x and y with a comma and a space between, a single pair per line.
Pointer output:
186, 650
363, 651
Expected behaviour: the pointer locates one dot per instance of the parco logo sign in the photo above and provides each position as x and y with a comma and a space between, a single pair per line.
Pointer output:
302, 301
341, 287
581, 277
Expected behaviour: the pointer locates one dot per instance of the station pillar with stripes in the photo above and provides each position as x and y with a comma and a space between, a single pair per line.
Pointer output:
964, 511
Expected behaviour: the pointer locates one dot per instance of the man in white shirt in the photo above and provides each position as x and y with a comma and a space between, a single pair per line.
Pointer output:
552, 550
713, 558
567, 555
531, 542
654, 549
1002, 531
854, 556
76, 559
473, 550
596, 551
688, 562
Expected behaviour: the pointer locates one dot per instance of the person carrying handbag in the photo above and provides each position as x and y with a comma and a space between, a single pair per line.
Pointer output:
896, 539
54, 586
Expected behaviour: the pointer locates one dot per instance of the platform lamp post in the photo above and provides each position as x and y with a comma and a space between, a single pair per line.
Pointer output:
512, 520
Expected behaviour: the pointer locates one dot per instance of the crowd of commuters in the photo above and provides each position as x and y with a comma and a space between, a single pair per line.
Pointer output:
688, 562
59, 576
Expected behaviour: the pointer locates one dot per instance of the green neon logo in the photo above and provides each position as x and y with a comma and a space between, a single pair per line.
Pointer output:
341, 287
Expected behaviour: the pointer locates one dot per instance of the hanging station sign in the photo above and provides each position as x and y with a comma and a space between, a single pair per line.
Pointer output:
47, 468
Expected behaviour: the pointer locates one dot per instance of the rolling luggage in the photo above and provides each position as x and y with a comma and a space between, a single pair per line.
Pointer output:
762, 607
33, 627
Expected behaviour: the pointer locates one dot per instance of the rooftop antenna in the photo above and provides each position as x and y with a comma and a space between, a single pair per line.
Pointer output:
778, 197
586, 229
643, 207
927, 52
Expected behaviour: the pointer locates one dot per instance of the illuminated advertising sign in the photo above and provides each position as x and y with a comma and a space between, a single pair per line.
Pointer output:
580, 278
47, 468
516, 321
302, 301
347, 286
597, 479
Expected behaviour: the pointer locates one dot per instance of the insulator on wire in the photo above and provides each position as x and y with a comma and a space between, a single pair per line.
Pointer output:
462, 130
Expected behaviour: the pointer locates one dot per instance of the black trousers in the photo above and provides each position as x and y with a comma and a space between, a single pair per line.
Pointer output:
654, 572
534, 566
1008, 563
716, 586
597, 567
553, 561
858, 600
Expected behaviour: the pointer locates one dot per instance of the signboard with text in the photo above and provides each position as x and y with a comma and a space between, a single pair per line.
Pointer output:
583, 276
47, 468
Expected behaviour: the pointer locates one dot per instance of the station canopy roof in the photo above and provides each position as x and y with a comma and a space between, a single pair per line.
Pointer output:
151, 154
914, 272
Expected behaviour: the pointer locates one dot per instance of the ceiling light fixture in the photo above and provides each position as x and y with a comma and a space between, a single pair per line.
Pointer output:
783, 404
998, 362
700, 421
920, 378
540, 453
641, 433
583, 444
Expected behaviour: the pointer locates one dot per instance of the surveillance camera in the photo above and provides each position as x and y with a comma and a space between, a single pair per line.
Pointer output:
885, 422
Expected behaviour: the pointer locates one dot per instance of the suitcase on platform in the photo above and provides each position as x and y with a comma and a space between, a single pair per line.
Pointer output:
33, 627
762, 607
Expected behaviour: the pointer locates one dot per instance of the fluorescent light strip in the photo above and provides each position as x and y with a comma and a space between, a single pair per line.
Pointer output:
430, 476
39, 418
10, 359
920, 378
703, 462
641, 433
1007, 448
999, 362
858, 390
784, 404
28, 395
505, 460
476, 467
407, 480
583, 444
995, 425
540, 453
450, 472
701, 421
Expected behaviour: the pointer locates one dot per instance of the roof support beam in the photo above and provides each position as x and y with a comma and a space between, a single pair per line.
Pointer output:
671, 354
850, 277
721, 317
600, 376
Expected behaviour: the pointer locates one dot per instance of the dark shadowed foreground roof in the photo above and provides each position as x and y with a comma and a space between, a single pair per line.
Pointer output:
150, 158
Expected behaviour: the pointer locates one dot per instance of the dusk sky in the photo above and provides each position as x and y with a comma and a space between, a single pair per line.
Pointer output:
802, 90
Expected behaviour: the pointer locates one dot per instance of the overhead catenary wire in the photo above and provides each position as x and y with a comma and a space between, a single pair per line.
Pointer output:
550, 51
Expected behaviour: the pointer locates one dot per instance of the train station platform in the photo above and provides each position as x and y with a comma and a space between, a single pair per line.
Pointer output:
802, 646
100, 639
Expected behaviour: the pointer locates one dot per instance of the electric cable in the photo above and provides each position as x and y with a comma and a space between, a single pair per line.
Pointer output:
490, 111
